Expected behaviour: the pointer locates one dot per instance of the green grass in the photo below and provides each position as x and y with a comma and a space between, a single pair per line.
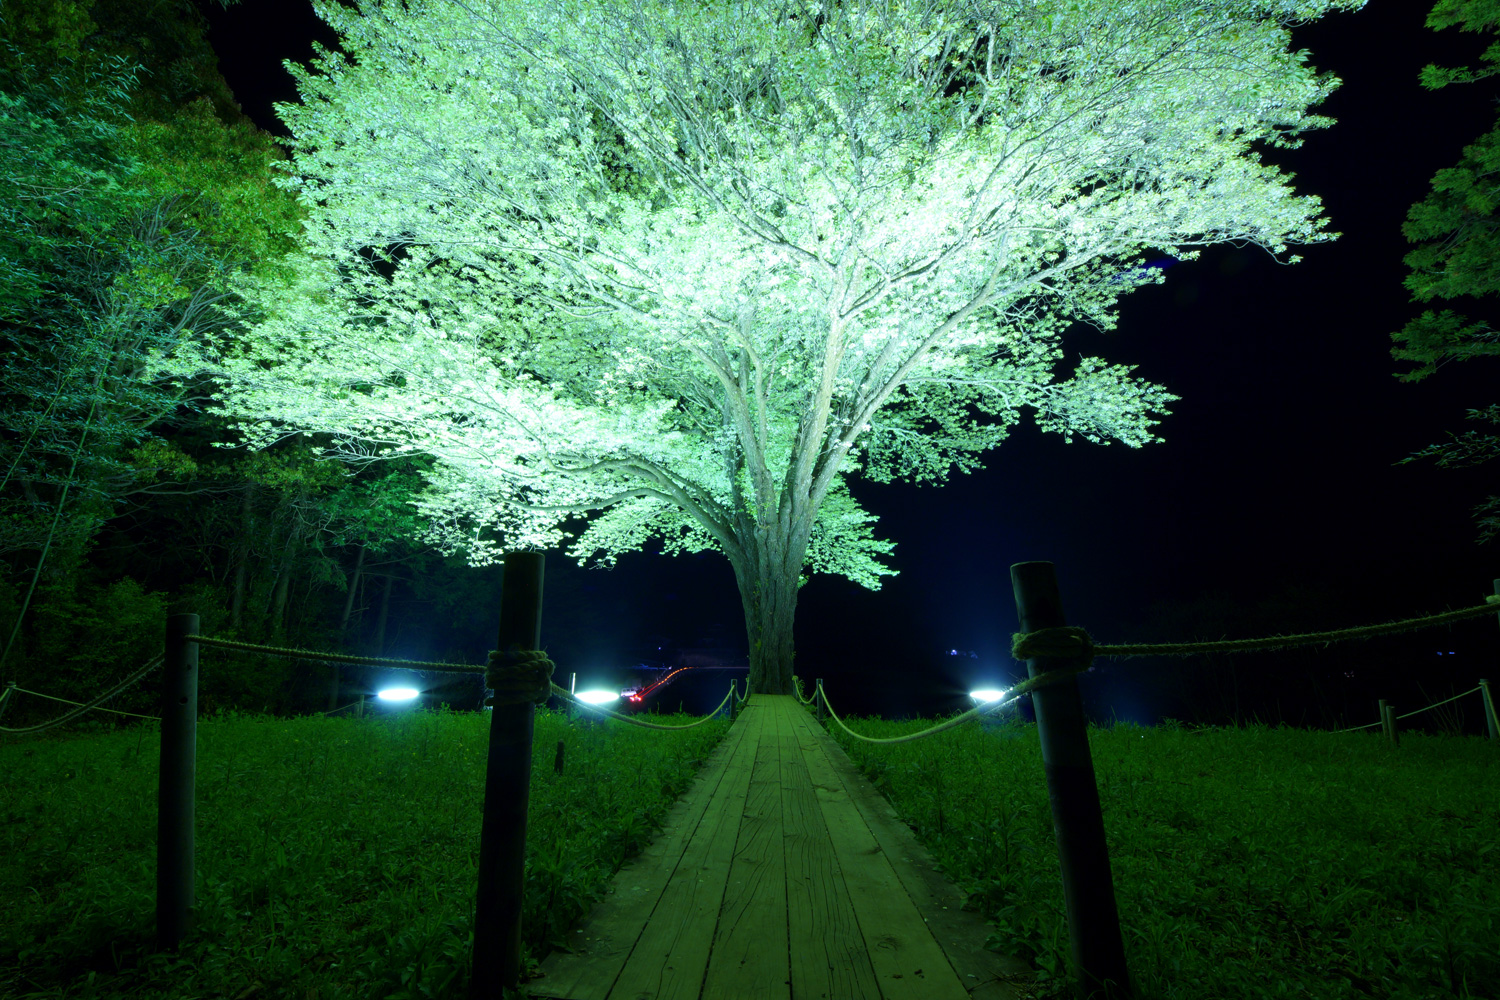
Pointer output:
336, 857
1254, 862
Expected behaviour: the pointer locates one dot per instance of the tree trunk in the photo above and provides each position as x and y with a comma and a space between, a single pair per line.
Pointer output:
385, 604
355, 582
242, 559
768, 594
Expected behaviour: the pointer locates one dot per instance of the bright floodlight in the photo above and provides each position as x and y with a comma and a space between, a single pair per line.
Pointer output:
597, 697
987, 694
398, 694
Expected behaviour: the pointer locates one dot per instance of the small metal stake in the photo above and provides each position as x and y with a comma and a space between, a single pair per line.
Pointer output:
1489, 709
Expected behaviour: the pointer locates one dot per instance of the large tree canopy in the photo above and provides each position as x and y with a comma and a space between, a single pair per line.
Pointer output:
673, 270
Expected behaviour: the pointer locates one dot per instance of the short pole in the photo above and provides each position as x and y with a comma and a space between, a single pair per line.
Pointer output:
1077, 820
175, 780
818, 698
1489, 708
1385, 720
507, 788
1390, 725
557, 762
359, 712
572, 689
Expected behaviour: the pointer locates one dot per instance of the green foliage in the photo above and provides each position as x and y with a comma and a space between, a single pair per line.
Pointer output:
138, 187
1248, 862
683, 269
336, 856
1458, 256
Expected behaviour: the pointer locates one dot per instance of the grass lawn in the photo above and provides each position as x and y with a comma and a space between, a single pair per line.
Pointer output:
1252, 862
336, 857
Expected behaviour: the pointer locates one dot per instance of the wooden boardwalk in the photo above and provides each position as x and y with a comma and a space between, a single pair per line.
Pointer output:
781, 874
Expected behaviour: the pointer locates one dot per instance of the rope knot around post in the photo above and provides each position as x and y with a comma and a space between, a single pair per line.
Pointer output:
518, 676
1064, 642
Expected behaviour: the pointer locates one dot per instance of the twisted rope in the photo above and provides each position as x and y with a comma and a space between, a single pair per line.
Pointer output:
797, 690
518, 676
1418, 711
151, 665
957, 720
1068, 642
566, 696
309, 654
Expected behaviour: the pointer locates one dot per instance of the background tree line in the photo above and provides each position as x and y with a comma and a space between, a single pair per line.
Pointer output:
133, 187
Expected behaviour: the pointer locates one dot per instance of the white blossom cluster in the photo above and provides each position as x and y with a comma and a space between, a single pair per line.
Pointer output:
679, 268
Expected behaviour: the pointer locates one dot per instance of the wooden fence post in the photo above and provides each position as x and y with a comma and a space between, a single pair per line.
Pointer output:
1390, 725
1385, 720
507, 787
1489, 708
175, 782
818, 699
1077, 821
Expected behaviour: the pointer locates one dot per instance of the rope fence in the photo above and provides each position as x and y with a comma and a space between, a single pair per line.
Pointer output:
83, 707
1070, 642
520, 675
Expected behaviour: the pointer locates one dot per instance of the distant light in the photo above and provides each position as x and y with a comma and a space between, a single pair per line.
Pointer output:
398, 694
597, 697
987, 694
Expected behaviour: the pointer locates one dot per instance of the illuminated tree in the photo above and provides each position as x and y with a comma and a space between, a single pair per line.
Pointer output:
1458, 236
675, 270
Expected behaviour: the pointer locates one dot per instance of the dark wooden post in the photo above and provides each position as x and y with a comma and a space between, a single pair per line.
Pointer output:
1390, 724
1385, 719
507, 787
818, 698
557, 762
1489, 709
1077, 821
175, 781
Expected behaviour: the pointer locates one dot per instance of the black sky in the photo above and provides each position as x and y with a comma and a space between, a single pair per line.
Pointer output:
1277, 476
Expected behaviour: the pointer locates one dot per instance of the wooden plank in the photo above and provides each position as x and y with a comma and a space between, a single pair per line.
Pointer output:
600, 947
960, 933
909, 963
671, 955
828, 956
749, 956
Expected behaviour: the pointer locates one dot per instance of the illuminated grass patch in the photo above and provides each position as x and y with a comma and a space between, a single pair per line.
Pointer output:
336, 857
1248, 863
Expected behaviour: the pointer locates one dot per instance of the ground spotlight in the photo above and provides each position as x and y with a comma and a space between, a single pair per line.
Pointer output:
987, 694
597, 697
398, 694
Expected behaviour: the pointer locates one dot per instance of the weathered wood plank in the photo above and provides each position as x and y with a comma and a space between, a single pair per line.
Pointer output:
828, 956
909, 963
601, 946
671, 955
961, 934
749, 957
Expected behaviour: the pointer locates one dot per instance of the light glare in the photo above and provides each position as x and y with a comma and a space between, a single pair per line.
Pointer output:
597, 697
987, 694
398, 694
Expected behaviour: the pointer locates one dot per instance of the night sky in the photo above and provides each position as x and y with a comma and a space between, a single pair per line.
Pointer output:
1275, 497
